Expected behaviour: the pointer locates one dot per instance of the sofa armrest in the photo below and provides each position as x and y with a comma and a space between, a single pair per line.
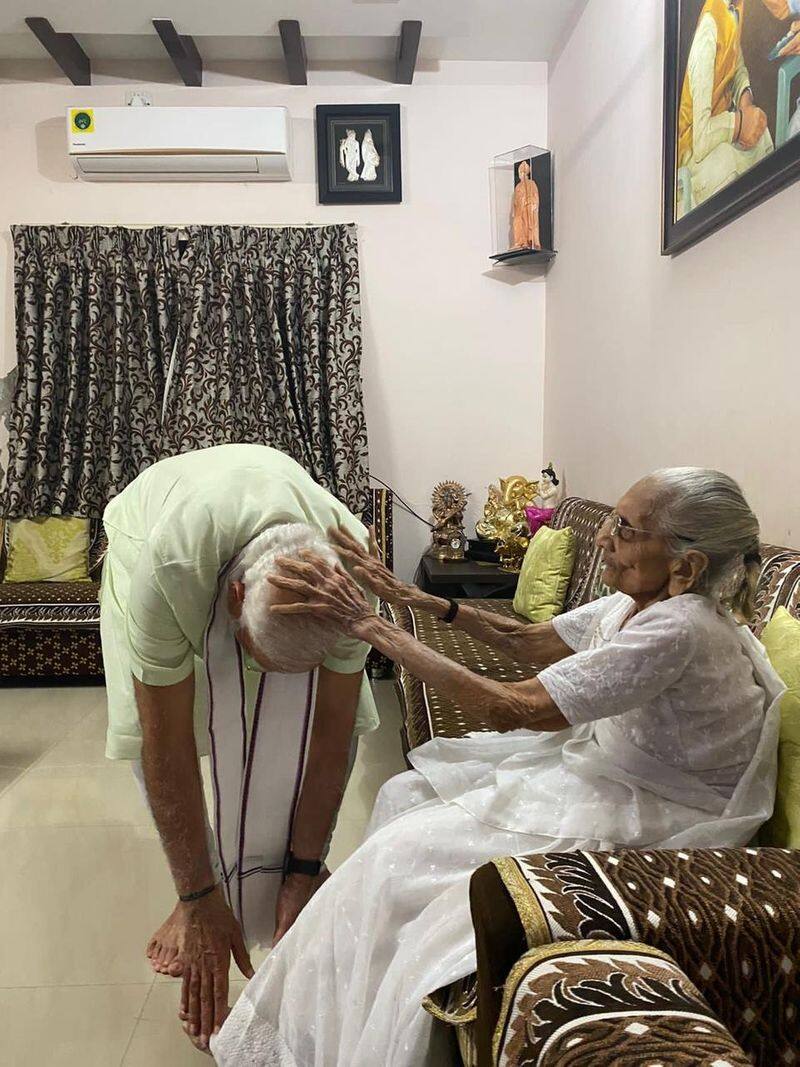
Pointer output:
730, 918
590, 1002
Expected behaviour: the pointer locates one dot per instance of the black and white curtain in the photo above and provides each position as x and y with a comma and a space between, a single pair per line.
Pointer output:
134, 345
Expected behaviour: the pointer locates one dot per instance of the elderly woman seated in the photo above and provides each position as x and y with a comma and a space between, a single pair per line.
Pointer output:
654, 723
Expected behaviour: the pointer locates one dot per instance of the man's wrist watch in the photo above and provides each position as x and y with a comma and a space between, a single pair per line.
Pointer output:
293, 865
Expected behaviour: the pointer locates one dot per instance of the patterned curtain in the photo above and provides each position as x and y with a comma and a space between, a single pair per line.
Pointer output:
94, 334
269, 350
134, 345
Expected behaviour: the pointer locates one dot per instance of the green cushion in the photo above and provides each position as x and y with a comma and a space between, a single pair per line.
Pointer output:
781, 638
546, 571
47, 550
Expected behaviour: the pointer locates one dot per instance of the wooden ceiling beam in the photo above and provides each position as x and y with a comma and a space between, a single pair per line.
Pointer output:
64, 49
294, 51
407, 48
182, 51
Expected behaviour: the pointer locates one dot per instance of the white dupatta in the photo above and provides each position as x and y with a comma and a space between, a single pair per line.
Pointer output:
258, 744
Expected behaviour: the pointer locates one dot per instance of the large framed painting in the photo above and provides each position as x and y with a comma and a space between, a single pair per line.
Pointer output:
731, 111
358, 154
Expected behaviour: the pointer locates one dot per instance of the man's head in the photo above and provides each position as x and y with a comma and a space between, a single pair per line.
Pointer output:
278, 643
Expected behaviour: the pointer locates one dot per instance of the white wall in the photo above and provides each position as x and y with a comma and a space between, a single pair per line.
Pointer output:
453, 353
654, 361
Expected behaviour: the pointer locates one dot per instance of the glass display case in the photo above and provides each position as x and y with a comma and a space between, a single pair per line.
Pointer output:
522, 204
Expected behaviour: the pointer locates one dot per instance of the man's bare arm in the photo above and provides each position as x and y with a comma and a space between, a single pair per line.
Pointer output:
172, 779
503, 706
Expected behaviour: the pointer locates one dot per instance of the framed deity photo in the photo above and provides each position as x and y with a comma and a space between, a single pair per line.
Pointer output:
358, 154
731, 111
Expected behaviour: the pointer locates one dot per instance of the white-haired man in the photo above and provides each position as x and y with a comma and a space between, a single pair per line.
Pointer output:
196, 663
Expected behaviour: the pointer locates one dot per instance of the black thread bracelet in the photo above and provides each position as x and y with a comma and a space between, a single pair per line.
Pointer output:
187, 898
452, 611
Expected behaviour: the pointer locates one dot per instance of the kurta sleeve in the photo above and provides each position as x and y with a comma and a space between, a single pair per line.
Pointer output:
648, 656
160, 653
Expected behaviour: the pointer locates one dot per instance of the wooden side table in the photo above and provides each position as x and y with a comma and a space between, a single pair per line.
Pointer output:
465, 579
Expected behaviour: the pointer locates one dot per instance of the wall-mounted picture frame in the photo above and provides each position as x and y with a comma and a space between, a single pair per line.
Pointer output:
358, 154
731, 112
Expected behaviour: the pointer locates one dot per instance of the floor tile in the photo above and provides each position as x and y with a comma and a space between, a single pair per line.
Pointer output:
86, 1026
158, 1037
83, 745
9, 775
34, 719
78, 905
103, 795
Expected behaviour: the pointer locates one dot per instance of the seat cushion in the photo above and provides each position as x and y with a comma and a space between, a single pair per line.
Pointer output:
429, 714
49, 603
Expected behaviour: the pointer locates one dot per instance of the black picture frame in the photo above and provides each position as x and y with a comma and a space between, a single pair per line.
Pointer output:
332, 123
765, 178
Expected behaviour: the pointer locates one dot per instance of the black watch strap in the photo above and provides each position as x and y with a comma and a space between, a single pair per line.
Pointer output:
452, 611
308, 867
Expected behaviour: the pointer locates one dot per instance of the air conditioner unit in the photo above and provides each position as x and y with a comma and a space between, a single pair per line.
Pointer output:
180, 144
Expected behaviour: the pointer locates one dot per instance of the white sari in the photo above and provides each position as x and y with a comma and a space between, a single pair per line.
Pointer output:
345, 986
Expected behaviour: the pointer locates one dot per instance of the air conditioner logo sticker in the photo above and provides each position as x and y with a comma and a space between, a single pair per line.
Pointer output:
82, 120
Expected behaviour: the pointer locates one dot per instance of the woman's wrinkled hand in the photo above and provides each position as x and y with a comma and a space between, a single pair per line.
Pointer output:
368, 568
322, 592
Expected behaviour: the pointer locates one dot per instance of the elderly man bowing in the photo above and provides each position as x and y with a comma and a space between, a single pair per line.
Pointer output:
196, 662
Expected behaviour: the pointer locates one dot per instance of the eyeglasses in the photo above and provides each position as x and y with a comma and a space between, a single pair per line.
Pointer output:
615, 526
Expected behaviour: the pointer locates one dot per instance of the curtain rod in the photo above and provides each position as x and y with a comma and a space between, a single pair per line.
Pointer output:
187, 225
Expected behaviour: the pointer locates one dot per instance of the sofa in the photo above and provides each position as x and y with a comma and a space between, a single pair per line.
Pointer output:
50, 631
565, 942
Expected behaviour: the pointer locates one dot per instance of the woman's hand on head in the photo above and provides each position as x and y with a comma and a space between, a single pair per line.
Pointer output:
368, 568
321, 592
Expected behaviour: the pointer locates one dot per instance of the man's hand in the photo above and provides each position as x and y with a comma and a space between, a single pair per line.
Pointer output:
752, 125
295, 893
206, 934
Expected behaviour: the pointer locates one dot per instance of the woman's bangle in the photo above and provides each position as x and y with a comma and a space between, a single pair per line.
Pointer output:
187, 898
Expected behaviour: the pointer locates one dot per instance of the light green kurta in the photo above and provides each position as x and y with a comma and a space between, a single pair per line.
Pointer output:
170, 533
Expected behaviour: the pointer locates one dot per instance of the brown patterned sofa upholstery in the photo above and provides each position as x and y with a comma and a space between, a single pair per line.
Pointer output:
728, 919
50, 631
427, 714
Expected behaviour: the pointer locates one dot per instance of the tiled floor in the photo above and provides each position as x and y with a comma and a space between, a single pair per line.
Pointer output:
83, 884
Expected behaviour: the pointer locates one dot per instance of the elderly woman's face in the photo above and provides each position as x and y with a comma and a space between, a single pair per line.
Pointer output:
635, 563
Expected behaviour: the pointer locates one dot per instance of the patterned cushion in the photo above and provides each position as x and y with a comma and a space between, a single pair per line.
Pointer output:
727, 917
602, 1002
427, 713
54, 549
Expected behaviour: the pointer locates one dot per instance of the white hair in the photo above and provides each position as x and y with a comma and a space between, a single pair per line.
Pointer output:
292, 644
702, 509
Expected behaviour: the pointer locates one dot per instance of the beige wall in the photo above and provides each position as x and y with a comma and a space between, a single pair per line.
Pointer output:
453, 353
654, 361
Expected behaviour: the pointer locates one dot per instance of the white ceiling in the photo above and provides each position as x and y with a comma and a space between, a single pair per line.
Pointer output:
334, 30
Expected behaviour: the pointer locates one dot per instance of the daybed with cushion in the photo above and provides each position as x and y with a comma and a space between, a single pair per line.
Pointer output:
716, 980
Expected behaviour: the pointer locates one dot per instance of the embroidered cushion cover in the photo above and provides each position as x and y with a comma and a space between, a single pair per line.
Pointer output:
545, 575
47, 550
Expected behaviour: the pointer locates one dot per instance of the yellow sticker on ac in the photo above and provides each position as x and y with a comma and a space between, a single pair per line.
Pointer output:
82, 120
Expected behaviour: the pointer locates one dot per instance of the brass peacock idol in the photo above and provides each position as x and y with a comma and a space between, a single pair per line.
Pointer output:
449, 501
